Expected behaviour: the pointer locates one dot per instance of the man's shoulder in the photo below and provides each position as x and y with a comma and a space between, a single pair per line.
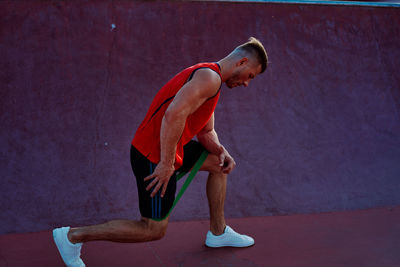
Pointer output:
207, 79
207, 73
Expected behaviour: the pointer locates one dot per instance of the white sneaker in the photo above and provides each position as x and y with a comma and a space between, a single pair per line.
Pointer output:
70, 253
228, 239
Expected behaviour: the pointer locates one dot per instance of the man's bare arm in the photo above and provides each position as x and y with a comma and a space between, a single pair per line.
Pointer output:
189, 98
209, 139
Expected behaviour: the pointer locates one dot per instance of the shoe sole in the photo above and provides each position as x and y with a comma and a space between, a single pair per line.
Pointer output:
227, 245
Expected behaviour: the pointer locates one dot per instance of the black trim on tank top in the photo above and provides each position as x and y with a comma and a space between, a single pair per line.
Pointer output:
219, 67
215, 94
165, 102
191, 74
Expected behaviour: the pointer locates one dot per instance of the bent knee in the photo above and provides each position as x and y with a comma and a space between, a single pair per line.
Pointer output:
159, 233
211, 164
156, 230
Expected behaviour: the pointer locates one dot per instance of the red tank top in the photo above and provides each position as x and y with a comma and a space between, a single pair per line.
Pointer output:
147, 137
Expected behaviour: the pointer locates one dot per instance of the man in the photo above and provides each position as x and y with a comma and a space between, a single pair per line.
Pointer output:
162, 145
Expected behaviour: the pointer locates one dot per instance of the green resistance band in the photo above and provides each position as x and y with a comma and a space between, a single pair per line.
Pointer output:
180, 175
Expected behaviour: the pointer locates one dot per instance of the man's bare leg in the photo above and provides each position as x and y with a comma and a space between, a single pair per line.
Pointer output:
216, 191
126, 231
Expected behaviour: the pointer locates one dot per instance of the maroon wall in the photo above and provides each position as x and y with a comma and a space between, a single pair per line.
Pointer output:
319, 131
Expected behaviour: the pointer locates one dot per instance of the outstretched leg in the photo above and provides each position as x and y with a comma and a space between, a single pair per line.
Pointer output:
69, 241
126, 231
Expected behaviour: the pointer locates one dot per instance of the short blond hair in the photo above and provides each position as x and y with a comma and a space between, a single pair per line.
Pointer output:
254, 47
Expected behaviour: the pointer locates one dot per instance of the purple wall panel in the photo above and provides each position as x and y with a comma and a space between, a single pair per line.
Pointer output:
318, 132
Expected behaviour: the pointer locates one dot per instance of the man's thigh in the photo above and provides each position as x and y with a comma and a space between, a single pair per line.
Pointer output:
156, 207
191, 154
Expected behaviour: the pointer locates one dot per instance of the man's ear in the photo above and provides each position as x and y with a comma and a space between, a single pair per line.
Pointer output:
242, 61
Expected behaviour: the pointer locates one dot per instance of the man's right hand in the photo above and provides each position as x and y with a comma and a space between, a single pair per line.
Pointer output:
226, 162
160, 176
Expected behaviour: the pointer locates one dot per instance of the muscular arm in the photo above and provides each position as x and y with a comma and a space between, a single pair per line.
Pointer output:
209, 139
189, 98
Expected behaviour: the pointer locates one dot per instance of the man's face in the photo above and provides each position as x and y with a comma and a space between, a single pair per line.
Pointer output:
244, 72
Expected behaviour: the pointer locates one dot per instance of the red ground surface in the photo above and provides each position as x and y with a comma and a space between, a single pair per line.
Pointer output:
355, 238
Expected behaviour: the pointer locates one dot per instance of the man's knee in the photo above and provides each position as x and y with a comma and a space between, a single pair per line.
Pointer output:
156, 230
159, 232
211, 164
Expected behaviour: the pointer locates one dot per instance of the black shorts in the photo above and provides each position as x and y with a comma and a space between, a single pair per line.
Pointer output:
157, 207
